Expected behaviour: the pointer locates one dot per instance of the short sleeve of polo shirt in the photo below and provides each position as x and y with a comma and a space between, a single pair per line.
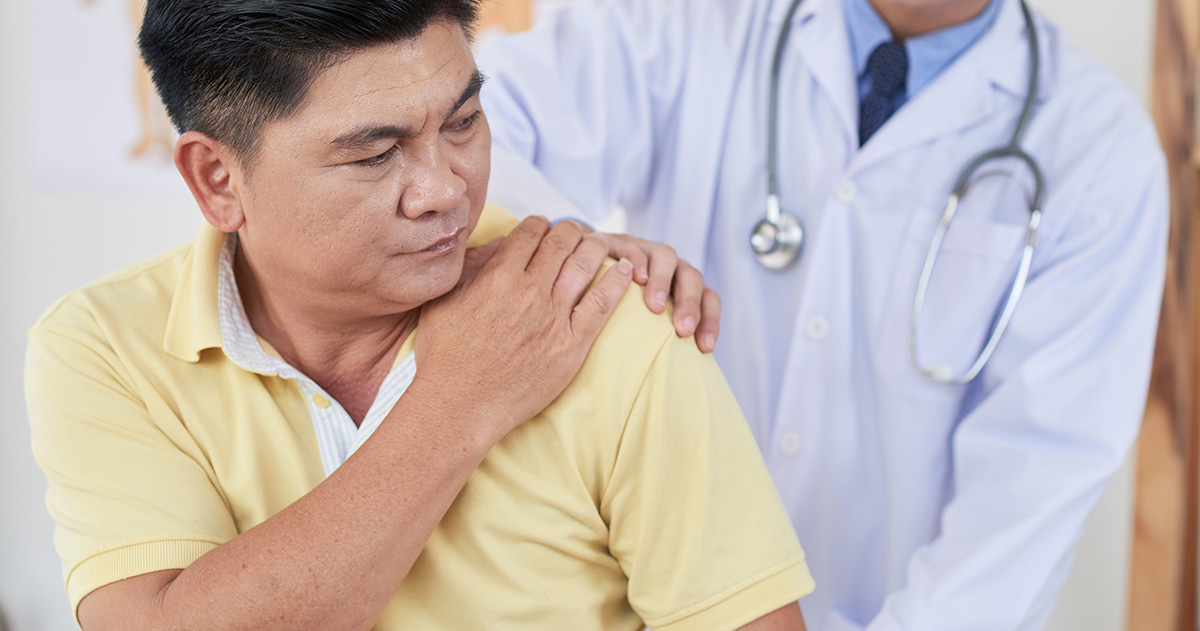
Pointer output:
694, 518
127, 490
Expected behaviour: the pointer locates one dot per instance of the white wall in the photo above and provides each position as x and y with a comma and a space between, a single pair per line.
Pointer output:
52, 242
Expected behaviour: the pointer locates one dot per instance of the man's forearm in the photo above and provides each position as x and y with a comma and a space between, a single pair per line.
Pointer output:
331, 560
786, 618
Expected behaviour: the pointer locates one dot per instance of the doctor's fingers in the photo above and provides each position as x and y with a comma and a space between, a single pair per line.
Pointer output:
623, 246
688, 294
710, 321
664, 268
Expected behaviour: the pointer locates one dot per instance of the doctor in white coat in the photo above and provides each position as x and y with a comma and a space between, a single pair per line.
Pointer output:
922, 505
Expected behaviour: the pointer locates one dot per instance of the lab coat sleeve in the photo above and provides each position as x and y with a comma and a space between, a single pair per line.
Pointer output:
577, 106
1056, 411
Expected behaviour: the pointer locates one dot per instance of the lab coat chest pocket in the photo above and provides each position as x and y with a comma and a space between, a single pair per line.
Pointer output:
970, 282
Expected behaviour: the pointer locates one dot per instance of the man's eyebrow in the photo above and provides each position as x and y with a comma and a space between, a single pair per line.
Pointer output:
474, 85
364, 136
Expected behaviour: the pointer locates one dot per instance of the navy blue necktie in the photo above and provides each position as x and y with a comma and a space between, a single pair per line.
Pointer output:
888, 69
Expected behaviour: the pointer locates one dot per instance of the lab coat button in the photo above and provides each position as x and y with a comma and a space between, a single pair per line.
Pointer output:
817, 328
790, 444
846, 191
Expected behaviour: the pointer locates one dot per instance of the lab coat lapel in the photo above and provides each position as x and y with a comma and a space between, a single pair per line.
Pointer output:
819, 33
1004, 55
962, 96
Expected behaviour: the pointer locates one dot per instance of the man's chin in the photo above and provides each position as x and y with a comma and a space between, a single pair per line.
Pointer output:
446, 274
414, 285
445, 288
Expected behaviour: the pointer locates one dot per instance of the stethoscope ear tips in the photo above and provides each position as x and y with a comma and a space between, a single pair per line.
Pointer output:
777, 245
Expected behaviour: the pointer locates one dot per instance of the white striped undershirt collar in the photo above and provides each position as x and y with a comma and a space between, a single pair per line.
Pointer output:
337, 436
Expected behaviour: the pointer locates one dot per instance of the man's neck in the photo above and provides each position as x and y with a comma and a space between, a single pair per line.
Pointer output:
349, 360
911, 18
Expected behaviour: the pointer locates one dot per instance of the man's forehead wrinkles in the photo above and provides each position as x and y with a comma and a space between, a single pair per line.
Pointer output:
386, 88
442, 67
433, 75
385, 92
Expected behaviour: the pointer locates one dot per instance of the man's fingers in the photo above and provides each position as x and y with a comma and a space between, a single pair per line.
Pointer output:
553, 251
586, 229
710, 321
689, 287
622, 246
579, 270
521, 243
599, 302
663, 263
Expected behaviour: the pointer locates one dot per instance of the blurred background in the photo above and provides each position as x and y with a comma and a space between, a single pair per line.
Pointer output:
86, 187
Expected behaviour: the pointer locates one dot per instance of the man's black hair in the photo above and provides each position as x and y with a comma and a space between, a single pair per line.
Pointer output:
228, 67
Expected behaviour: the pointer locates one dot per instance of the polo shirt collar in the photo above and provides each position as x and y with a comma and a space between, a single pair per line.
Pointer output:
193, 324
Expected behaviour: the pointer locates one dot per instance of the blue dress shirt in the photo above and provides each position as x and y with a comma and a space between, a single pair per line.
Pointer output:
928, 55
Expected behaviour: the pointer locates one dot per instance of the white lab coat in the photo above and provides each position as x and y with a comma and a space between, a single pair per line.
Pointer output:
922, 506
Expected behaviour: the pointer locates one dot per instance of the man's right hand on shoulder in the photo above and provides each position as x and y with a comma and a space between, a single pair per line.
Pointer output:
510, 338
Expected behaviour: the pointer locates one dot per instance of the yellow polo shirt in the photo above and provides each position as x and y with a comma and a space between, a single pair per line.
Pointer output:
638, 495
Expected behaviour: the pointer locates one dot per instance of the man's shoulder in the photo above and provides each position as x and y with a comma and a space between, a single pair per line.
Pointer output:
619, 365
633, 333
630, 340
136, 298
633, 337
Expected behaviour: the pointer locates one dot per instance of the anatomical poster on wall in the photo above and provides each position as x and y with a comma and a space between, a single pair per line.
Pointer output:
96, 122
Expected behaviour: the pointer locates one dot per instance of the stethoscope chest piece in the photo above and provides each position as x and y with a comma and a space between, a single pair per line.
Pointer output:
777, 244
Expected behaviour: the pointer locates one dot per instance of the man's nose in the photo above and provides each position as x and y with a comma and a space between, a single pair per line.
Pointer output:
433, 187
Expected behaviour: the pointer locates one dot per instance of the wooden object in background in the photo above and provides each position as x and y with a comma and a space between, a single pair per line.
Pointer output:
511, 15
1163, 590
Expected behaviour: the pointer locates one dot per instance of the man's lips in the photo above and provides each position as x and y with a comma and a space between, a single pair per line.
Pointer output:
444, 244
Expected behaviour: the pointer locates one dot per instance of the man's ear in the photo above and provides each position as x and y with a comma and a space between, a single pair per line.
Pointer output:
209, 168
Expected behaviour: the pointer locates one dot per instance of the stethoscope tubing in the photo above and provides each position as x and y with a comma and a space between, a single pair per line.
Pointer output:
776, 240
773, 211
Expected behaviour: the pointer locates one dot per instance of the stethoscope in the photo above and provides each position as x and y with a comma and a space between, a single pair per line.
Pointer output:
776, 240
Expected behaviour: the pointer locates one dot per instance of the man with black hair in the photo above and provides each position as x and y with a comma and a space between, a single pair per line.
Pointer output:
328, 413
